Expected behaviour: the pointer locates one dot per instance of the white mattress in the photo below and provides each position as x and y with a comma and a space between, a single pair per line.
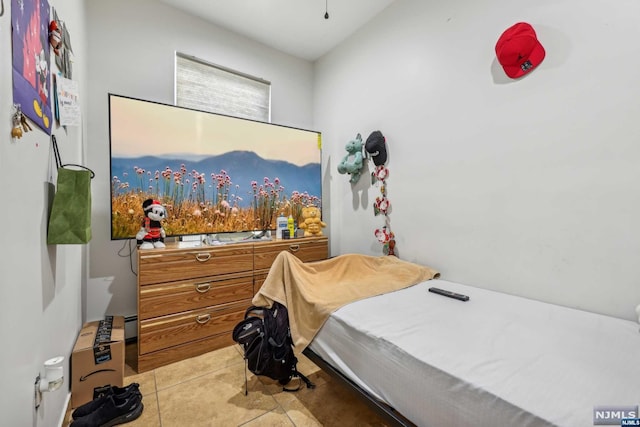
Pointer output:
496, 360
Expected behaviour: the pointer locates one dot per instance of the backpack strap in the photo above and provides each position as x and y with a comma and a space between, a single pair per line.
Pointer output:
301, 378
253, 308
306, 380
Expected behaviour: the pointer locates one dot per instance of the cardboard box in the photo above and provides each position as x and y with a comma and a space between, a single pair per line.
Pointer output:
97, 361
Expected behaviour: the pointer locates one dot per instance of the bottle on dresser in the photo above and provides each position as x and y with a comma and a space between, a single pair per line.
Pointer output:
281, 225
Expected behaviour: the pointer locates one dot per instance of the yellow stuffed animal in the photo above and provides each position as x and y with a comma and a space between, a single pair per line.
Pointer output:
311, 222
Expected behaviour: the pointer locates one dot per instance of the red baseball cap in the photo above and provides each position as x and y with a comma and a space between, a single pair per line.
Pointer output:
518, 50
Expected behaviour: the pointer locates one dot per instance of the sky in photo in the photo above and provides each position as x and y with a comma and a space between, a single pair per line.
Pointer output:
140, 128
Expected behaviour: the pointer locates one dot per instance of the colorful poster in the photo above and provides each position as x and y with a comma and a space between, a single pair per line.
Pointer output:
31, 61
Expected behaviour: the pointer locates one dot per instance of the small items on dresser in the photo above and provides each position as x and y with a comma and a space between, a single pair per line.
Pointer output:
312, 224
152, 234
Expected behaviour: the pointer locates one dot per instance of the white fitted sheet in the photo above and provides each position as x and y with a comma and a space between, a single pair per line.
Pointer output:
496, 360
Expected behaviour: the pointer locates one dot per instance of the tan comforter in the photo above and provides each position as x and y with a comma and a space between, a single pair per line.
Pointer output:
312, 291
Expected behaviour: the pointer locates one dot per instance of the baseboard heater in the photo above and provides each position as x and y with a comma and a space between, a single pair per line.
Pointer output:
131, 328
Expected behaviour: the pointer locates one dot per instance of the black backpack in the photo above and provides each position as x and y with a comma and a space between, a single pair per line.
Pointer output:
265, 337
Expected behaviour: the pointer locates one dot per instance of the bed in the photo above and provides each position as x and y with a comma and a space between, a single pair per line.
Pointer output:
495, 360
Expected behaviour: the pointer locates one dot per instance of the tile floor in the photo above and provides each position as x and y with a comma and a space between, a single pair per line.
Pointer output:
208, 390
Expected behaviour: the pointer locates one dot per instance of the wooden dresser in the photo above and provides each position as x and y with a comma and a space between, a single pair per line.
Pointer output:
189, 299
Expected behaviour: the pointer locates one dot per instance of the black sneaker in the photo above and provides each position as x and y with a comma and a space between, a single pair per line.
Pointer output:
114, 411
121, 392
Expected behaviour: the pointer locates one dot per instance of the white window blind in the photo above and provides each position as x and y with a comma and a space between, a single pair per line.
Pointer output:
208, 87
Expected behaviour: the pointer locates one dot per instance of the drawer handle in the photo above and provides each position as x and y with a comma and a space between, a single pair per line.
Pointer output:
203, 287
294, 248
203, 257
203, 318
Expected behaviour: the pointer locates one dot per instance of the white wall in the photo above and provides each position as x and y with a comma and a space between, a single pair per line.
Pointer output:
40, 285
529, 187
132, 53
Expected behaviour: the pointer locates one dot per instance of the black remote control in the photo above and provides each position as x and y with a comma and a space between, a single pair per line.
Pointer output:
449, 294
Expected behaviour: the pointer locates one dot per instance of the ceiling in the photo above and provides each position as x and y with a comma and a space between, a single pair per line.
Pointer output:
297, 27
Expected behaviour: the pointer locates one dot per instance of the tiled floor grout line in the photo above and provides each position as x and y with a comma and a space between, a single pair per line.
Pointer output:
155, 386
192, 378
157, 390
231, 361
287, 414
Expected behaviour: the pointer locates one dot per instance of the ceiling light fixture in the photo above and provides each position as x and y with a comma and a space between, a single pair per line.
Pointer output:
326, 9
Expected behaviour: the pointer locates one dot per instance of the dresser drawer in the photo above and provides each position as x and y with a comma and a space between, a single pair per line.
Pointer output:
168, 331
173, 297
176, 353
307, 249
190, 299
167, 265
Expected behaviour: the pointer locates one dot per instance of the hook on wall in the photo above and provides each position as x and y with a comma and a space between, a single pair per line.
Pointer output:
326, 9
1, 7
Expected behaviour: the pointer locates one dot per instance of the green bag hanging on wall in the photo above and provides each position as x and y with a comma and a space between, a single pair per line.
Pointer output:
70, 219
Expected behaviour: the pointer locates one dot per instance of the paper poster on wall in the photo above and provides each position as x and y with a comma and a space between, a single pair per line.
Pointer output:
68, 102
31, 62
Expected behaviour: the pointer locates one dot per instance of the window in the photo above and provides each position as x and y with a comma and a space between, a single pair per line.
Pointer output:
204, 86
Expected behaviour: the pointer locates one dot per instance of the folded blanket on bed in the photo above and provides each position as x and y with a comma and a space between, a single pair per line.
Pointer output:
312, 291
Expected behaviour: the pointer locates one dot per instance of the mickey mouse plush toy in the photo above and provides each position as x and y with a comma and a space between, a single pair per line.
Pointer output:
151, 234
